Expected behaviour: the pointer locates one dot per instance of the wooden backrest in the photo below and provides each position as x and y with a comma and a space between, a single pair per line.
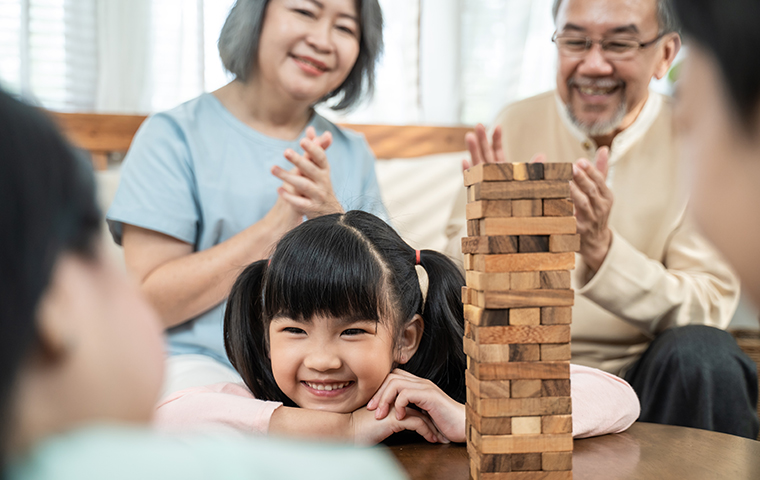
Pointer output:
102, 134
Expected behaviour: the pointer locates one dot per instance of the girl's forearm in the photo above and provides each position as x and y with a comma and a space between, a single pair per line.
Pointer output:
311, 424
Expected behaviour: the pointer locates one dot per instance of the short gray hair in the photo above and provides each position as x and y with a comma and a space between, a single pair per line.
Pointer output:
666, 17
239, 47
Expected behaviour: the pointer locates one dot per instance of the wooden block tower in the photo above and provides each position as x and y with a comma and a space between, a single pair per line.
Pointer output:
517, 305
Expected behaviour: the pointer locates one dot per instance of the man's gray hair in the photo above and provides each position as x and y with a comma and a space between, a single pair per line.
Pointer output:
239, 46
666, 16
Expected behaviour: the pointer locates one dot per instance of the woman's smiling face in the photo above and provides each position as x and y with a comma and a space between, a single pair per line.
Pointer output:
330, 364
308, 47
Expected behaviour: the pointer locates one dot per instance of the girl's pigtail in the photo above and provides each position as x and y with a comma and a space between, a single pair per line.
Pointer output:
244, 337
440, 356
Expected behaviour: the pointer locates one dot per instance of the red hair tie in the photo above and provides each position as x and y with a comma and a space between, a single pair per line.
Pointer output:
417, 260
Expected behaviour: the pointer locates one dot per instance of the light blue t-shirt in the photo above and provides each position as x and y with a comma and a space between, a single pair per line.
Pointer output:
114, 453
198, 174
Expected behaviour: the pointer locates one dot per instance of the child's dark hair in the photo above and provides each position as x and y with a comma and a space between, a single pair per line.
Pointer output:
347, 265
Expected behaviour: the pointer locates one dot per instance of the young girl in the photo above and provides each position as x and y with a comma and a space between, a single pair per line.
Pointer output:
81, 354
347, 318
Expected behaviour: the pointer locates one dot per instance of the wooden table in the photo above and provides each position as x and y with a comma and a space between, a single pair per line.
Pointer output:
644, 451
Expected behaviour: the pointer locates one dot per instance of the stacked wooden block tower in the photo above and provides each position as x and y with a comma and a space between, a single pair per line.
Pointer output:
517, 304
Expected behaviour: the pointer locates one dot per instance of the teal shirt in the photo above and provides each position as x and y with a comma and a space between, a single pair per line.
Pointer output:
120, 453
198, 174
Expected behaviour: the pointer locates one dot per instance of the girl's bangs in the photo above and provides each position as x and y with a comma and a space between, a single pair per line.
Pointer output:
324, 270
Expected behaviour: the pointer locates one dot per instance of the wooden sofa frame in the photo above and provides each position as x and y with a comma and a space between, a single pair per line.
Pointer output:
103, 134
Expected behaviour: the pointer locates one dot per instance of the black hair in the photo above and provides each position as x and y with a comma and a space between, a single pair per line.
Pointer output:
728, 30
47, 206
239, 45
350, 265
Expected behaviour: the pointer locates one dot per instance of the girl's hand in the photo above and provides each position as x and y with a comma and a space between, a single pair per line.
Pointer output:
368, 430
401, 388
309, 190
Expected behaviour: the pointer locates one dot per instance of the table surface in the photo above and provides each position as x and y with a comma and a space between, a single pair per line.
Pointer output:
644, 451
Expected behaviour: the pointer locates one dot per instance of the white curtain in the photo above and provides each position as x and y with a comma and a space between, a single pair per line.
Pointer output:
396, 99
506, 53
453, 62
123, 46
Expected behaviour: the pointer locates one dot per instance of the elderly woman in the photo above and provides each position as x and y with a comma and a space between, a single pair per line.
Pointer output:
720, 126
205, 188
81, 355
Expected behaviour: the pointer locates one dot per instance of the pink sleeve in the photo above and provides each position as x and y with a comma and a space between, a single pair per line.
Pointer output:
602, 402
219, 406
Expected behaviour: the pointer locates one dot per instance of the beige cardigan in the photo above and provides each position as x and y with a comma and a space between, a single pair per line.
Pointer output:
659, 271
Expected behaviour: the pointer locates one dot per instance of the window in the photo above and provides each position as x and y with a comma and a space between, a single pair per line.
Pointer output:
48, 51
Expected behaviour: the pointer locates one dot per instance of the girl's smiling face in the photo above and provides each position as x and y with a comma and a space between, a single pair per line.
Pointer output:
308, 48
328, 363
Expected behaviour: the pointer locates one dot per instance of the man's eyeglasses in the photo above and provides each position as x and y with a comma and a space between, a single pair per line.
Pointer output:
612, 48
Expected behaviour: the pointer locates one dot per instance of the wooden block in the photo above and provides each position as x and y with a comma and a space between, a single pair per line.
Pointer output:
525, 316
489, 208
523, 298
535, 171
487, 389
518, 190
520, 172
489, 353
475, 227
522, 262
526, 462
467, 295
490, 245
555, 279
564, 243
527, 171
523, 226
527, 208
471, 194
510, 407
524, 281
555, 388
488, 318
533, 243
555, 352
469, 261
526, 389
526, 426
554, 461
490, 444
557, 207
520, 370
488, 172
556, 316
523, 353
489, 463
488, 425
558, 171
556, 424
516, 334
490, 281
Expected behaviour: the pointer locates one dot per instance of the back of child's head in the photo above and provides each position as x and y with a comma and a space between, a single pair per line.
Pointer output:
350, 265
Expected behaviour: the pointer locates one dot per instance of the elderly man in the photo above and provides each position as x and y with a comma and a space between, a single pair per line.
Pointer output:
650, 289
